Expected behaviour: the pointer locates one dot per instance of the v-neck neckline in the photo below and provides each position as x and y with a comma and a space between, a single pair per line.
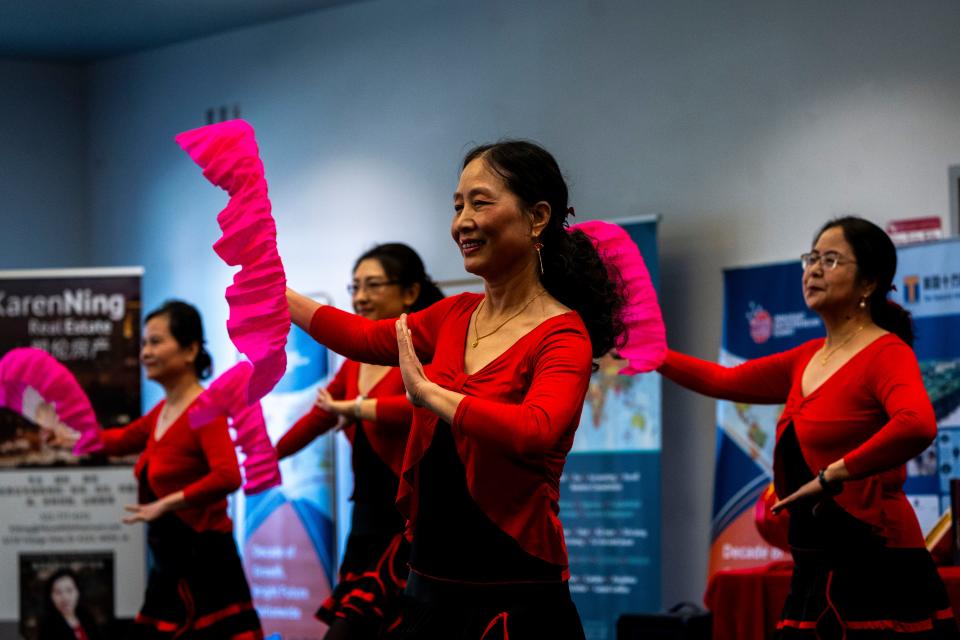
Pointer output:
173, 422
807, 396
369, 393
502, 354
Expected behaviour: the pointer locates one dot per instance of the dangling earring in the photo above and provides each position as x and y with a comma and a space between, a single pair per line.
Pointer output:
863, 302
539, 245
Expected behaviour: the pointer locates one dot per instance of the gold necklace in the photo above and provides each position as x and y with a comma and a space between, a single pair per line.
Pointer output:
476, 329
826, 356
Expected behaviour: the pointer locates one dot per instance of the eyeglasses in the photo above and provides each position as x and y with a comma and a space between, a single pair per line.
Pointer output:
370, 286
829, 260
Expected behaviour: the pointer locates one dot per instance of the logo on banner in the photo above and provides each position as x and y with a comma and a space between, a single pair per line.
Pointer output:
764, 325
761, 323
911, 289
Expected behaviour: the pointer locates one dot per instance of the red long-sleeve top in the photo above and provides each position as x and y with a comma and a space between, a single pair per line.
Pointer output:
387, 435
200, 462
516, 424
874, 413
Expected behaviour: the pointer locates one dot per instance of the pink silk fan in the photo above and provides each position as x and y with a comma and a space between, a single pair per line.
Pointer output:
27, 368
646, 338
259, 320
227, 396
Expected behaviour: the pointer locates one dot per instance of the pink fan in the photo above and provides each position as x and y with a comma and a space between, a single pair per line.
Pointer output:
227, 396
27, 371
646, 343
259, 319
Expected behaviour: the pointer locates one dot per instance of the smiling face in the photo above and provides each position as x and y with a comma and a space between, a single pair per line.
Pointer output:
377, 296
838, 289
65, 595
163, 358
491, 226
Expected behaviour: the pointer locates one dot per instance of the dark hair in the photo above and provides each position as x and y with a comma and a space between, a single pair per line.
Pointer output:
403, 264
187, 328
63, 572
876, 258
52, 623
573, 271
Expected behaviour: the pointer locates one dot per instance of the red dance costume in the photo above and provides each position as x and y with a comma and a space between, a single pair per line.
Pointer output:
196, 586
862, 570
373, 572
387, 436
506, 446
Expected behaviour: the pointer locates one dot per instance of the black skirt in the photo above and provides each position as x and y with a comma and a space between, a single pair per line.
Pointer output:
373, 573
442, 610
469, 580
891, 593
196, 587
847, 583
367, 599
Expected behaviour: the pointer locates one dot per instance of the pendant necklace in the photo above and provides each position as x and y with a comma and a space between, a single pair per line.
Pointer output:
476, 330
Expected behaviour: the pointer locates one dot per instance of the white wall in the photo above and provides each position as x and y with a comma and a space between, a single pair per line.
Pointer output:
746, 124
42, 181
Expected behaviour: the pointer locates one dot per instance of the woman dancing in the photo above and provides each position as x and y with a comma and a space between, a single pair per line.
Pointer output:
498, 402
196, 587
388, 280
855, 412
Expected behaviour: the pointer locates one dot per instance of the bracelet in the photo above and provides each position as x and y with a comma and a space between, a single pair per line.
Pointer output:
830, 487
357, 404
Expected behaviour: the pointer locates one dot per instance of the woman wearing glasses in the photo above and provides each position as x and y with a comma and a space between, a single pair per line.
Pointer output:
370, 401
855, 412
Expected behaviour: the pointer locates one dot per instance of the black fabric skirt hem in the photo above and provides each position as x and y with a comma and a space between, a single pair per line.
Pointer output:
890, 593
436, 609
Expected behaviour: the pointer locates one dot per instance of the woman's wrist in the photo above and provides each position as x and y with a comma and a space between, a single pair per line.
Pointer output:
358, 406
831, 485
427, 394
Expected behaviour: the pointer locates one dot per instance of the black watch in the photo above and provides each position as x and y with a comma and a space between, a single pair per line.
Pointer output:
830, 487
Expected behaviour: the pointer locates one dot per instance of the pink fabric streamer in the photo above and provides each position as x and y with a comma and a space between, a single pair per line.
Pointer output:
259, 318
28, 367
227, 396
646, 344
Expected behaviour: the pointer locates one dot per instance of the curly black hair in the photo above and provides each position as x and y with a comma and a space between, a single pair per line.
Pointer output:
573, 271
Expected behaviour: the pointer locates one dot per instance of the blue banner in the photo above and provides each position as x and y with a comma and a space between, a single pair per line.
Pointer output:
928, 286
610, 489
286, 534
764, 313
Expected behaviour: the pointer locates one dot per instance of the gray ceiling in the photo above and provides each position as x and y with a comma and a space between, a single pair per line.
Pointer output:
85, 30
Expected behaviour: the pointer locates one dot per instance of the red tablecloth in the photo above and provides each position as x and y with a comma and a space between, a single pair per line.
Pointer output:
746, 603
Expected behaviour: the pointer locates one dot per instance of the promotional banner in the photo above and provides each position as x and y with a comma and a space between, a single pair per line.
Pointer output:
286, 534
62, 514
610, 489
764, 314
928, 286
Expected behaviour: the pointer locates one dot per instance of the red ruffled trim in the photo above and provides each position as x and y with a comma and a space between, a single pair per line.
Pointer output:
222, 614
160, 625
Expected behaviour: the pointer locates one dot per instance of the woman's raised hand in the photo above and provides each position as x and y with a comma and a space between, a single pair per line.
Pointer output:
414, 378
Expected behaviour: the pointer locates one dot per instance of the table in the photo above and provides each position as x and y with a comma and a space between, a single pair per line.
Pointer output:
746, 603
